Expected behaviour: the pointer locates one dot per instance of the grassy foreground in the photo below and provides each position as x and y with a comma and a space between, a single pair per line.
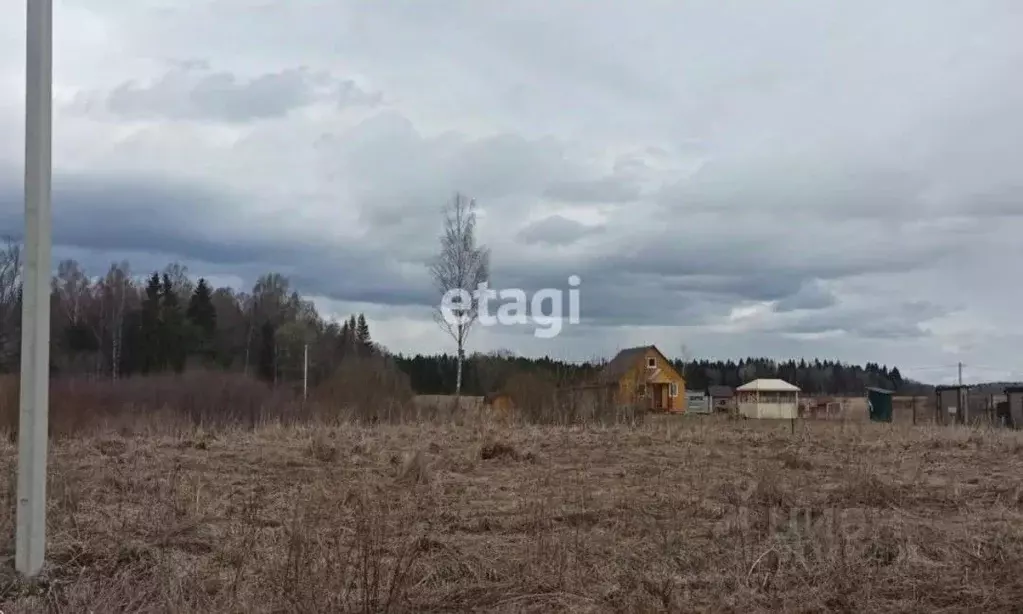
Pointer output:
675, 515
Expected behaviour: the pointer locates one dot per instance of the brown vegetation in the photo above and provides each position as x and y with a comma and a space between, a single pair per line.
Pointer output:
672, 514
209, 399
213, 492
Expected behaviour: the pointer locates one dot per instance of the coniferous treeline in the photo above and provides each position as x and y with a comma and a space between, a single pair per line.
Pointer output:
827, 377
488, 373
120, 325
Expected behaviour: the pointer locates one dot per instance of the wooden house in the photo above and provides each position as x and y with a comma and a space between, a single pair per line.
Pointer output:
644, 377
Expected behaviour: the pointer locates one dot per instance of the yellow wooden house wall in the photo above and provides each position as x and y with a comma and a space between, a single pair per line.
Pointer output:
638, 373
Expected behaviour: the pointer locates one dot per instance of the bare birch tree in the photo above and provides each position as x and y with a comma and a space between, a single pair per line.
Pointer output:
461, 266
114, 290
181, 283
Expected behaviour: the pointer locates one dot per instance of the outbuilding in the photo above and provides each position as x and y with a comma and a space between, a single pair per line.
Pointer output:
768, 399
953, 404
1014, 406
722, 398
879, 404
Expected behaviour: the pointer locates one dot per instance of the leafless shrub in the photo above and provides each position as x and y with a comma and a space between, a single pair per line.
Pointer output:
207, 398
366, 389
541, 398
533, 394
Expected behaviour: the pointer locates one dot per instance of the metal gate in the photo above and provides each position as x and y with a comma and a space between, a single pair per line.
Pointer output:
697, 403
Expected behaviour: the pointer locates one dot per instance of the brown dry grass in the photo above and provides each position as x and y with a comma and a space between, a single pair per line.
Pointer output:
675, 514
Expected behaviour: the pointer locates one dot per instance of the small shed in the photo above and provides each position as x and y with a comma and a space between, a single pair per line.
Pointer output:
1002, 415
1014, 401
879, 404
722, 398
768, 399
952, 405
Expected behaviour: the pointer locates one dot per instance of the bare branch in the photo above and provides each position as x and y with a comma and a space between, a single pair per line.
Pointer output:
460, 266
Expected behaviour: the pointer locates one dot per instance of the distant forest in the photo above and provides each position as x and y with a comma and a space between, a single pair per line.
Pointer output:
122, 324
486, 373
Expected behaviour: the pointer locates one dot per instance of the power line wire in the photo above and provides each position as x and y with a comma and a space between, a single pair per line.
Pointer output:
986, 368
928, 368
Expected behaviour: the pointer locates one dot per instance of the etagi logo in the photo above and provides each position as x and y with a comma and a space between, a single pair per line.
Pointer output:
460, 307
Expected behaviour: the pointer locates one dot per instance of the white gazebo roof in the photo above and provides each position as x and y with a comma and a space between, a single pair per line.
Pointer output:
767, 385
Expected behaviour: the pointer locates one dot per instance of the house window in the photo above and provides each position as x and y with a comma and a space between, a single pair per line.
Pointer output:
673, 389
642, 390
651, 362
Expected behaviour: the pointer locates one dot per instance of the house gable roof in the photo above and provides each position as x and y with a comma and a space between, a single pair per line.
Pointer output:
720, 392
626, 360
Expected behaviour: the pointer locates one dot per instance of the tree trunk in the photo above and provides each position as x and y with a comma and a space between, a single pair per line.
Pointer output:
115, 356
117, 337
248, 345
458, 377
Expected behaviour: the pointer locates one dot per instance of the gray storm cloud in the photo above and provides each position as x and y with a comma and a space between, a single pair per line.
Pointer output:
832, 160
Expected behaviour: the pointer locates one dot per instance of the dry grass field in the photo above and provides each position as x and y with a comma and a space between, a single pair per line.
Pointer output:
678, 514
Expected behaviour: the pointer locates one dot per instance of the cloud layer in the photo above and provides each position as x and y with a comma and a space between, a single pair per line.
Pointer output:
799, 180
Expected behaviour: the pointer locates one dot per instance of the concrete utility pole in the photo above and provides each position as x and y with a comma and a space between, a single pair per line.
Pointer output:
30, 539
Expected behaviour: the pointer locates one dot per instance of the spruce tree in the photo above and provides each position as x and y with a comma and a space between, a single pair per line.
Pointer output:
344, 340
201, 311
362, 339
175, 332
202, 316
151, 353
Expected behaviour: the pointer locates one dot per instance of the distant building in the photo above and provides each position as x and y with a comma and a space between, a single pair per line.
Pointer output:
879, 404
722, 398
640, 377
1014, 406
953, 404
768, 399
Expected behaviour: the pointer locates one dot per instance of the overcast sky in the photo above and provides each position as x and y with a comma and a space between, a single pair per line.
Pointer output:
785, 178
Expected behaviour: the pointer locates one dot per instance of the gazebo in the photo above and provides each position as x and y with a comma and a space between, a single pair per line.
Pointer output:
768, 399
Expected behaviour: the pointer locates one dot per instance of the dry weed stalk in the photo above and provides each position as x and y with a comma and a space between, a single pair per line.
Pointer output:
672, 514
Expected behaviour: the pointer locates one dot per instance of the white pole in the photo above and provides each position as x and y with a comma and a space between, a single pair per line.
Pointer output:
305, 372
30, 542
